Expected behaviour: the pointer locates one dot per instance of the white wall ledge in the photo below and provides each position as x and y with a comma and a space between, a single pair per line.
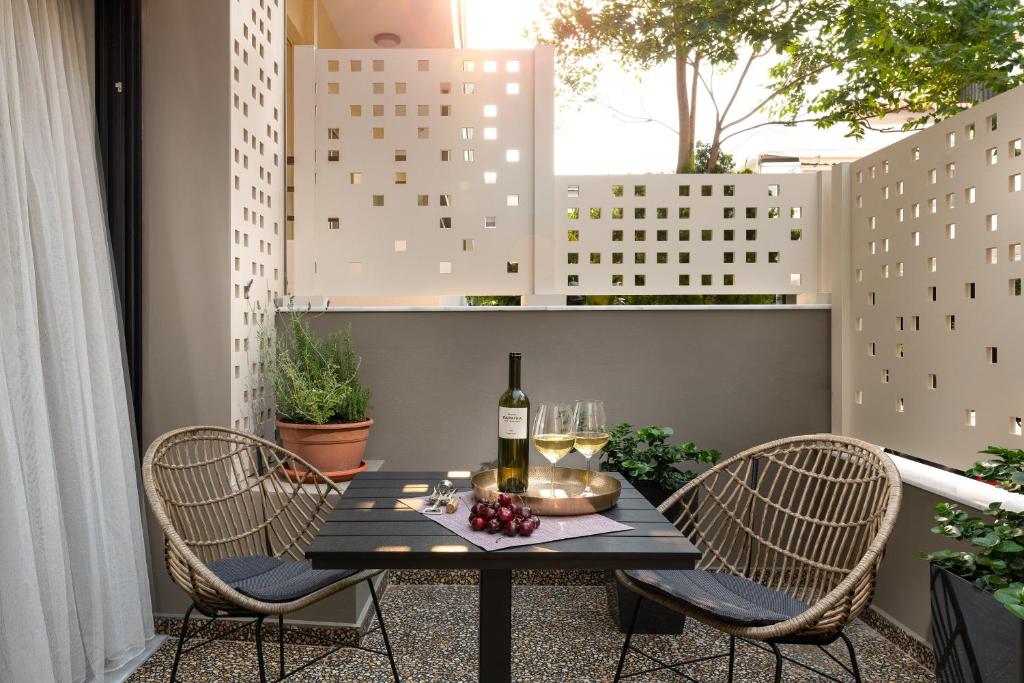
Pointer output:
955, 488
530, 309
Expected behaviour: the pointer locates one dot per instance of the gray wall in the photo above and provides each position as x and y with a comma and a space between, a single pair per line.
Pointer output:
726, 379
186, 260
903, 591
185, 243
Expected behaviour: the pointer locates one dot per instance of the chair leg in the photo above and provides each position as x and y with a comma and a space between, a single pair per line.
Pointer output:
732, 655
629, 637
383, 631
259, 648
181, 642
778, 662
280, 640
854, 669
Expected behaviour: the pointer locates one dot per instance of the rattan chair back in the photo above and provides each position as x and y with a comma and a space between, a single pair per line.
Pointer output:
808, 516
219, 493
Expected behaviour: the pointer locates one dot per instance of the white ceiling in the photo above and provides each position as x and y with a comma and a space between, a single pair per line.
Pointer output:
419, 23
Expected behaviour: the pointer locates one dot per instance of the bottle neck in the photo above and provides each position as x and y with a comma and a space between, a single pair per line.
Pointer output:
513, 372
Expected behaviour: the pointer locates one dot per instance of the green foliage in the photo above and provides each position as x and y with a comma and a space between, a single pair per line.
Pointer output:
997, 566
851, 62
914, 57
701, 36
493, 301
1006, 470
646, 455
315, 380
1012, 598
675, 300
702, 157
641, 35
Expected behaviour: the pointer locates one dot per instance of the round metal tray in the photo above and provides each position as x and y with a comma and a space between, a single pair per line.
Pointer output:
569, 484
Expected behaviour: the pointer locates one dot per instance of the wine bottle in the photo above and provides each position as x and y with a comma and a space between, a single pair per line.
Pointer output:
513, 428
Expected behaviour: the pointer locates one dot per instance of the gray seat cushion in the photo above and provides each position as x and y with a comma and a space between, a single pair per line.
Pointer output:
269, 579
725, 597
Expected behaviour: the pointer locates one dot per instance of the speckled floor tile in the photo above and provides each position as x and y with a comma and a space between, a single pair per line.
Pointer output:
525, 577
560, 634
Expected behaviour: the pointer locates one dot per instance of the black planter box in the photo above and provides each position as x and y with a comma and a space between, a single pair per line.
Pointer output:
977, 640
653, 492
652, 618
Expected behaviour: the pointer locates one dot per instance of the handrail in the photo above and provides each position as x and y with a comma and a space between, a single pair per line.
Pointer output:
955, 487
526, 309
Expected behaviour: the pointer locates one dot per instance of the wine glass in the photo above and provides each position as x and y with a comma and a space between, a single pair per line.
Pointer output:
591, 429
552, 434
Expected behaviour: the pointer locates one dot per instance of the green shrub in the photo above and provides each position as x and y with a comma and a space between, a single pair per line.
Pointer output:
1006, 470
997, 564
315, 380
646, 455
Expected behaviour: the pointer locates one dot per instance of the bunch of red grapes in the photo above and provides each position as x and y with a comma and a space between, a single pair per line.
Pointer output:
502, 516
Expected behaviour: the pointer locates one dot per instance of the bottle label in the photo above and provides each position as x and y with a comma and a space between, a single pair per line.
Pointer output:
512, 423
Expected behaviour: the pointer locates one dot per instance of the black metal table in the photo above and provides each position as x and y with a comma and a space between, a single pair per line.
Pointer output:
370, 529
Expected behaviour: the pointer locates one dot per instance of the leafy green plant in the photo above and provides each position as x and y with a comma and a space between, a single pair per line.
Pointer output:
646, 455
702, 159
997, 563
1006, 470
1012, 598
315, 380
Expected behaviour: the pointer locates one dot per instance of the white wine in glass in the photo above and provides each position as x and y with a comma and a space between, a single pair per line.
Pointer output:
552, 434
591, 430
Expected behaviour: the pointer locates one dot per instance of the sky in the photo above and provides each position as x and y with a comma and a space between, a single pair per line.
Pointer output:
628, 142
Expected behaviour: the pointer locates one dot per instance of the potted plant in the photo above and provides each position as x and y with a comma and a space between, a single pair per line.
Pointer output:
321, 406
646, 459
977, 594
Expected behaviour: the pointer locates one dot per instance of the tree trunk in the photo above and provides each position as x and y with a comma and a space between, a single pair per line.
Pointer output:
684, 157
716, 148
695, 82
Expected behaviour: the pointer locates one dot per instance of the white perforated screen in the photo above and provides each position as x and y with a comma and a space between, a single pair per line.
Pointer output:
257, 196
422, 165
687, 234
936, 315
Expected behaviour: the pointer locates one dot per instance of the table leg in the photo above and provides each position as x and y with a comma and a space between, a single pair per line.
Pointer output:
495, 625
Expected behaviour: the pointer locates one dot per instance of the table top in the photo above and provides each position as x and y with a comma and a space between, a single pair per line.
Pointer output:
370, 529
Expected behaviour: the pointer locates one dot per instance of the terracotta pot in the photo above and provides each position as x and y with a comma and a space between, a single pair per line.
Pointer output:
329, 447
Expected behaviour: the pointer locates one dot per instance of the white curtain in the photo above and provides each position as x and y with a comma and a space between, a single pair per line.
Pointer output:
74, 590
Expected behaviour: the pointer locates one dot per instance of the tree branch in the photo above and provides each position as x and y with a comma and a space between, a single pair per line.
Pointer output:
863, 120
632, 118
769, 123
711, 94
772, 95
739, 84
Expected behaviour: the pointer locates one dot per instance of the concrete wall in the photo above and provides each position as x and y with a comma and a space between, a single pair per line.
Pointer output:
186, 214
903, 593
187, 237
725, 379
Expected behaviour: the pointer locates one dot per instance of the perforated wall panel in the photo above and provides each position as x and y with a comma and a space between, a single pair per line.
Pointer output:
687, 234
257, 198
937, 313
423, 170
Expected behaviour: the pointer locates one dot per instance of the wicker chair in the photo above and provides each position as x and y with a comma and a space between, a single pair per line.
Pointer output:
235, 529
792, 533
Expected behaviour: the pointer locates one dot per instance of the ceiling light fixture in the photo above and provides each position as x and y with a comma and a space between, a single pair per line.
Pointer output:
387, 40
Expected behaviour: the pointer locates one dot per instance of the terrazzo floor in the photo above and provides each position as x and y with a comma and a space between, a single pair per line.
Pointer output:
560, 634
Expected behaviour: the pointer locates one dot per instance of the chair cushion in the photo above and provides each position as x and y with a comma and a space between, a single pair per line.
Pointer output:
270, 579
724, 597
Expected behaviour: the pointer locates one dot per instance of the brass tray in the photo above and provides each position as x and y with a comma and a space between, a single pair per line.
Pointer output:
569, 483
